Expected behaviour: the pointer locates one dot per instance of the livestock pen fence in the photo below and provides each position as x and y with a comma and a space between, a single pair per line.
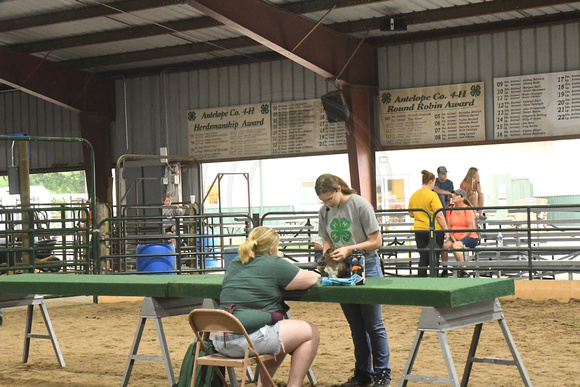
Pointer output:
539, 242
45, 237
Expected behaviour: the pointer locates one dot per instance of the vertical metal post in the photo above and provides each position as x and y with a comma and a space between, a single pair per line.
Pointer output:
530, 256
24, 175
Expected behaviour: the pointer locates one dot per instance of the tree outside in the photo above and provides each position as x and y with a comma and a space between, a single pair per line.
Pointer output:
57, 183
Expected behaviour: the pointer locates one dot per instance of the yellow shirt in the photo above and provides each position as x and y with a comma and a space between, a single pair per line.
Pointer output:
427, 200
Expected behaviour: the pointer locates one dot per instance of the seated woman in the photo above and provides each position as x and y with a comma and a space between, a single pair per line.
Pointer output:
252, 291
169, 212
472, 188
461, 220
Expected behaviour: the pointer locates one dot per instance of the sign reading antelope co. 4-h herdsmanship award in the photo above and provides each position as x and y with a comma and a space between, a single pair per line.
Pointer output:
264, 129
230, 132
433, 115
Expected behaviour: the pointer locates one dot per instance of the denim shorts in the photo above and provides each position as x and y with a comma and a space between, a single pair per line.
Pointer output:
265, 340
469, 242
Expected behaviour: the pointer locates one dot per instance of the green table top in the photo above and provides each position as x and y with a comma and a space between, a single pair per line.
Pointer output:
436, 292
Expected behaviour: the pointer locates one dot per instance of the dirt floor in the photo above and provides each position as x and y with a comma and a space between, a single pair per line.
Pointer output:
96, 338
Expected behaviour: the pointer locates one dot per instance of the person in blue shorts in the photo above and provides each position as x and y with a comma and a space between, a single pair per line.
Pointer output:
457, 221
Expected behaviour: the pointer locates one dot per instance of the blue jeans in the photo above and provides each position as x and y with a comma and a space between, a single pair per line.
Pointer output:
371, 344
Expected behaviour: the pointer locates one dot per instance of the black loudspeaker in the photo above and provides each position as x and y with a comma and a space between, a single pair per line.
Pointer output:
335, 106
397, 23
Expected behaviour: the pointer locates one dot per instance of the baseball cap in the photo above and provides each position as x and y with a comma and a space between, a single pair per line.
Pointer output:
442, 169
460, 192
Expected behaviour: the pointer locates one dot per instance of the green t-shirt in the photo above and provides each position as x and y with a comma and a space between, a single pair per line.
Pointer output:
257, 284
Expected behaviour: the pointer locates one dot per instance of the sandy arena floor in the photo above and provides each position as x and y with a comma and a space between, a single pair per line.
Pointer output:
96, 338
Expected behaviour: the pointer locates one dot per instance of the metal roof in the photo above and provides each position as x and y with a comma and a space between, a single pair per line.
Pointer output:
132, 37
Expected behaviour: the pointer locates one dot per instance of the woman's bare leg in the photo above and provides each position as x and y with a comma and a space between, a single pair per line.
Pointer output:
300, 339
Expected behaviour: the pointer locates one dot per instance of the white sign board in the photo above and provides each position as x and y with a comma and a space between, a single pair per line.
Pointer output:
302, 127
265, 129
433, 115
537, 105
230, 132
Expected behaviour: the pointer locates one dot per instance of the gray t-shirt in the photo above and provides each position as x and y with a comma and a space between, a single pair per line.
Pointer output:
349, 223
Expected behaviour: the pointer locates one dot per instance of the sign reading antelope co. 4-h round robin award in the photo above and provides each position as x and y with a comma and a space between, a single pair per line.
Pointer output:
433, 115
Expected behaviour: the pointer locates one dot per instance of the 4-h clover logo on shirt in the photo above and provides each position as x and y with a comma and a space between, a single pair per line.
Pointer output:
340, 230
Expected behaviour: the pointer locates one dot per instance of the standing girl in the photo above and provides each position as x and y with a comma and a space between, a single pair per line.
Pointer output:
427, 200
348, 222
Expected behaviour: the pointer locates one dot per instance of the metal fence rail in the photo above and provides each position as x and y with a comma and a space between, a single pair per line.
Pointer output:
535, 246
49, 238
201, 243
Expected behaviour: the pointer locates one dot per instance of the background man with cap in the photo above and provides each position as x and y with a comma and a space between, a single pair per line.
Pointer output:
443, 186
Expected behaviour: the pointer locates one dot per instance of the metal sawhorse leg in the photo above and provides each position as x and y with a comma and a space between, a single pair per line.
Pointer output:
441, 320
29, 300
156, 308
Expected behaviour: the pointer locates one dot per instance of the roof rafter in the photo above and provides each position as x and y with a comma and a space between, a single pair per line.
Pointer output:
213, 46
117, 35
82, 13
188, 48
165, 52
183, 25
451, 13
503, 25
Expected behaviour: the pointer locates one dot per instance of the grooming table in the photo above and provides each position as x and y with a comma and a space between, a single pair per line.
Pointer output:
449, 303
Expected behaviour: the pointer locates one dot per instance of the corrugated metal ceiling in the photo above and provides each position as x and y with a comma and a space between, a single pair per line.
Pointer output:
134, 36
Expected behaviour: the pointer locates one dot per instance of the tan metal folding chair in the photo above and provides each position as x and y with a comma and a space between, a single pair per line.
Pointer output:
220, 321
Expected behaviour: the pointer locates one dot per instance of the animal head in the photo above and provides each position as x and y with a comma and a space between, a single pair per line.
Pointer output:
329, 267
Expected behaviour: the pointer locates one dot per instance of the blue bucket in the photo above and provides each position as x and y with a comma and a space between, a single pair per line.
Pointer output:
159, 262
209, 262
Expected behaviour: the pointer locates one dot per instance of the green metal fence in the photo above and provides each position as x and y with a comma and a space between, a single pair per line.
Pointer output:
45, 238
535, 244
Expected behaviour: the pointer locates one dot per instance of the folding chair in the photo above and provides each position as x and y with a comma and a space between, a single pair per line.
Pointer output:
220, 321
